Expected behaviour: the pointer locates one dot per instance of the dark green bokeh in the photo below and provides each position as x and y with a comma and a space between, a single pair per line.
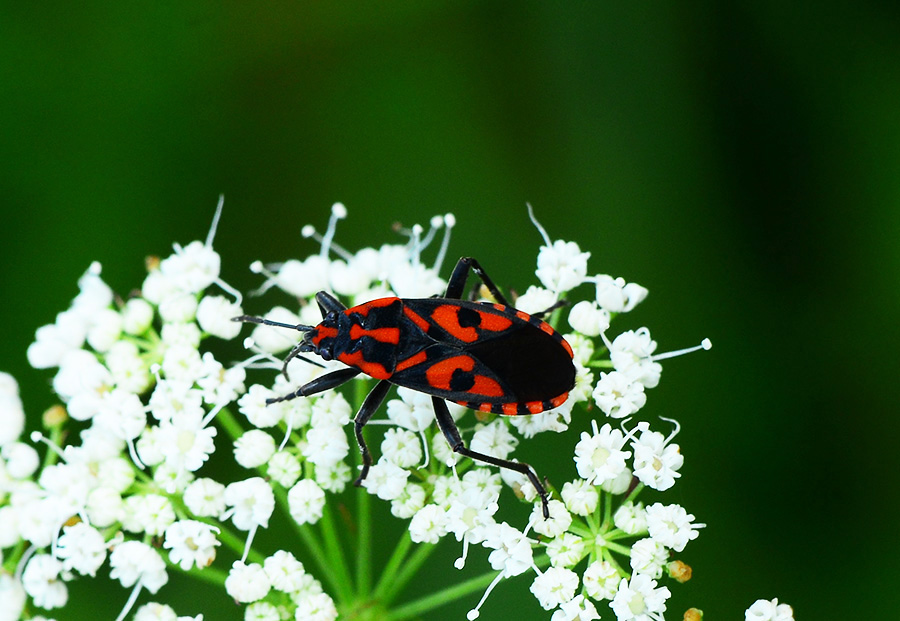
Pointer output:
738, 159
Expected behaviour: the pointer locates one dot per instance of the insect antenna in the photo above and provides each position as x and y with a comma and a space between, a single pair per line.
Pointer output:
298, 349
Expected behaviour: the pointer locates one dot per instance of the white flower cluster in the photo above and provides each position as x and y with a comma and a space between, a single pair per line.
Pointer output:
151, 404
135, 379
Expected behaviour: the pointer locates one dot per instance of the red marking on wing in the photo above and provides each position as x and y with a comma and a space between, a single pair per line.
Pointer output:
522, 315
416, 318
411, 361
384, 335
535, 407
372, 369
440, 373
494, 323
567, 347
363, 309
555, 402
446, 316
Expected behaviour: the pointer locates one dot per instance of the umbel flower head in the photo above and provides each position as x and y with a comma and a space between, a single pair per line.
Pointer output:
148, 411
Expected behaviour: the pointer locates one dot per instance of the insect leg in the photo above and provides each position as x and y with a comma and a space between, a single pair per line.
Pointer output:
457, 282
320, 384
448, 428
369, 407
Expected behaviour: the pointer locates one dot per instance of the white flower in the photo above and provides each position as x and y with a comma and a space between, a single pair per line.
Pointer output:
12, 413
618, 396
413, 410
335, 478
306, 502
648, 557
254, 448
671, 525
253, 502
177, 307
578, 608
512, 549
562, 266
80, 381
253, 406
121, 413
150, 513
82, 548
185, 442
601, 580
192, 268
247, 583
284, 468
581, 497
386, 480
137, 316
554, 587
131, 561
191, 543
588, 319
12, 598
21, 460
471, 510
656, 462
558, 522
494, 439
261, 611
218, 384
599, 457
536, 300
409, 502
326, 446
284, 571
565, 550
53, 341
182, 362
205, 498
614, 295
42, 582
182, 333
129, 370
631, 518
631, 354
214, 316
638, 599
402, 448
104, 506
331, 409
274, 340
428, 525
765, 610
319, 607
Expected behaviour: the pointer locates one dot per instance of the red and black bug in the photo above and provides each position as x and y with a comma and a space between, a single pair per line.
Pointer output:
488, 357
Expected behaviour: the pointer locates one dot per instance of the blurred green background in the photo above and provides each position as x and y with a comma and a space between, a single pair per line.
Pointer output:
741, 160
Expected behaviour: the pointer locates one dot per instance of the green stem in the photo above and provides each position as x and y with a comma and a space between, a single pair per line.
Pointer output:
393, 564
409, 570
335, 554
229, 423
364, 544
314, 547
440, 598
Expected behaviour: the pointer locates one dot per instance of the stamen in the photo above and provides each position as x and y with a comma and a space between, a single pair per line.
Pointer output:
215, 222
257, 267
449, 223
20, 568
461, 561
474, 613
131, 599
537, 224
705, 344
38, 437
675, 431
338, 212
424, 448
415, 243
434, 224
249, 542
